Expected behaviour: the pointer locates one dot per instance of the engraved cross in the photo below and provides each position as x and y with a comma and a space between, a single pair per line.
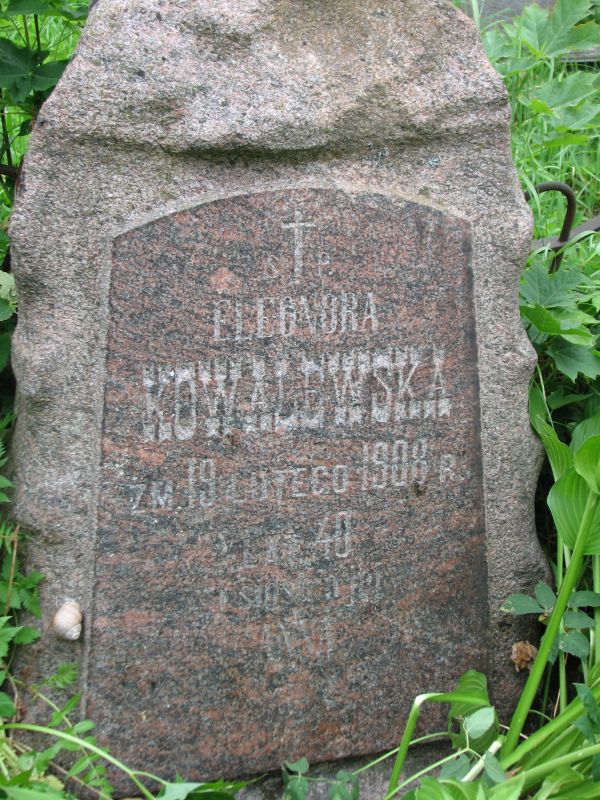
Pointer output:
298, 227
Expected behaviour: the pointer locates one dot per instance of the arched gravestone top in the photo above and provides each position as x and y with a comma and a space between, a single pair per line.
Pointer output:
303, 198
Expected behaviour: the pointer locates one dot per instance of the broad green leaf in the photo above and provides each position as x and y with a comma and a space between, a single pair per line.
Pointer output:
545, 596
559, 455
548, 322
47, 75
538, 287
566, 140
585, 727
543, 319
78, 767
343, 776
585, 37
7, 286
69, 12
539, 107
568, 90
19, 7
463, 791
455, 769
574, 643
538, 411
296, 788
560, 398
587, 462
567, 500
7, 707
337, 791
431, 789
521, 604
508, 790
493, 769
6, 310
577, 619
473, 684
555, 34
584, 599
590, 705
571, 359
300, 766
479, 722
589, 427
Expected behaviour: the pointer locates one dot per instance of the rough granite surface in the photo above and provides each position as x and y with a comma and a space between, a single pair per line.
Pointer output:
173, 119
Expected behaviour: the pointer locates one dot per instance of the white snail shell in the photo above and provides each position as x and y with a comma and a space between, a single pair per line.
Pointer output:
66, 622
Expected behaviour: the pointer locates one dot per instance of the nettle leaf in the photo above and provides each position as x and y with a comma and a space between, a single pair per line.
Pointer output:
572, 359
584, 599
574, 643
587, 462
519, 604
567, 501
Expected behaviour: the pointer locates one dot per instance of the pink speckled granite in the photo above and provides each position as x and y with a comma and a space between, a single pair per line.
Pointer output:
201, 155
291, 511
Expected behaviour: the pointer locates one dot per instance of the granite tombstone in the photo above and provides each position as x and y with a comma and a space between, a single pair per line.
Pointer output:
272, 382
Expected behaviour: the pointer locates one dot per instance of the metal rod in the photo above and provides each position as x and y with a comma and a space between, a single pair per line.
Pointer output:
564, 238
